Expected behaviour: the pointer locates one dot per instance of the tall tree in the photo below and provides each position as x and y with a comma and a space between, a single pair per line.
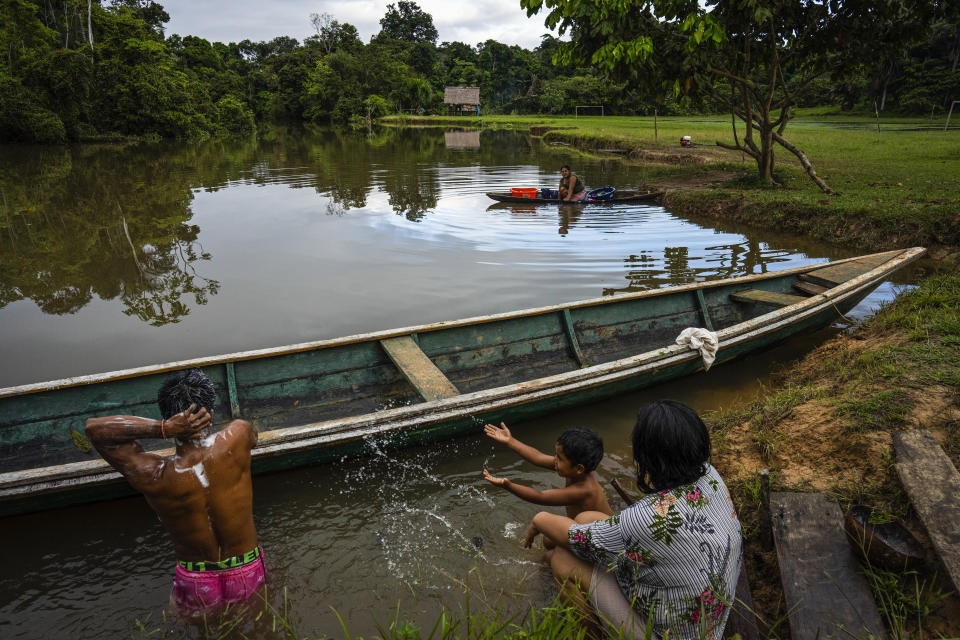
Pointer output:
756, 58
90, 23
332, 34
508, 67
407, 21
148, 11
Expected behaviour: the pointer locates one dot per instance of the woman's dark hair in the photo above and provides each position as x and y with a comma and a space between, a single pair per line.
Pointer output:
566, 166
184, 388
583, 446
670, 446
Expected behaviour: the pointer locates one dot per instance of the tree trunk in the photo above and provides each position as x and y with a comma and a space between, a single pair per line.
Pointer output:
955, 53
90, 23
765, 161
768, 136
805, 163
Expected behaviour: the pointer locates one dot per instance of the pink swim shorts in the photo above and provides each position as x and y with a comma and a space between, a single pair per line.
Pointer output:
202, 587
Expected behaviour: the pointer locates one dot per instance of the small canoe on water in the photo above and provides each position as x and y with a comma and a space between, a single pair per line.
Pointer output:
619, 197
321, 401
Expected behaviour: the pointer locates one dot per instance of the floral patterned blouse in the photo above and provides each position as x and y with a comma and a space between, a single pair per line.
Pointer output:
675, 554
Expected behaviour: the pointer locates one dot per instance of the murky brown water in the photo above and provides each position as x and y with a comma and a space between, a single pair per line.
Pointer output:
111, 258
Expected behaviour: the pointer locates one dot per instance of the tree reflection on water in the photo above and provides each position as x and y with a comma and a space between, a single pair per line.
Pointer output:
115, 221
673, 265
73, 227
168, 275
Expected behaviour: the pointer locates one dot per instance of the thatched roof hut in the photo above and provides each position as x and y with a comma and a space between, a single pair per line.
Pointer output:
461, 95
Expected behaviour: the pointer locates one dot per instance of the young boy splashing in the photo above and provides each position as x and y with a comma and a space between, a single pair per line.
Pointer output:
577, 453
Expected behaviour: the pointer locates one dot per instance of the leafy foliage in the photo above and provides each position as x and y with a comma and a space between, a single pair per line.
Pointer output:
755, 59
68, 236
407, 21
105, 68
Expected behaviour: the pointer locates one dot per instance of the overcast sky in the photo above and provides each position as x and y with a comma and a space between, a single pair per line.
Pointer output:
472, 21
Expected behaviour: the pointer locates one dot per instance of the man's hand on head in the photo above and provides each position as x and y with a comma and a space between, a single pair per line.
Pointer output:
187, 423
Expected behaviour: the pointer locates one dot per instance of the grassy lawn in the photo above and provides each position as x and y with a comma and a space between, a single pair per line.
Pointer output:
897, 187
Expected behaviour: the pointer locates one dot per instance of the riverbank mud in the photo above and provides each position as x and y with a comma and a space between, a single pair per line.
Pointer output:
827, 426
818, 222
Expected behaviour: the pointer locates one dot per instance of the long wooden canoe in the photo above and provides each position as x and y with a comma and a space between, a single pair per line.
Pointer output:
619, 197
321, 401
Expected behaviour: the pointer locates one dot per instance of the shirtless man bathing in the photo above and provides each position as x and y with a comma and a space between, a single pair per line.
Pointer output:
202, 493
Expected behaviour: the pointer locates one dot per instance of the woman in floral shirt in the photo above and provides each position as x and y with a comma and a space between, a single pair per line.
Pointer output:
671, 560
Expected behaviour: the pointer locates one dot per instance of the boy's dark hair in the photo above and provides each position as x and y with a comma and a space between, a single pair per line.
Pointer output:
670, 446
583, 446
183, 388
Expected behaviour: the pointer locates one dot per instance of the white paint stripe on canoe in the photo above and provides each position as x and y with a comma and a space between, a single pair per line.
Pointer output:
478, 400
292, 439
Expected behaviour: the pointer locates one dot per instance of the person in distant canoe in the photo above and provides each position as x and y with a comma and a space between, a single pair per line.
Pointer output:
571, 188
202, 494
578, 452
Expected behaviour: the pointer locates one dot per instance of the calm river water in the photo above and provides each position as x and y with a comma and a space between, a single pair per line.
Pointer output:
119, 257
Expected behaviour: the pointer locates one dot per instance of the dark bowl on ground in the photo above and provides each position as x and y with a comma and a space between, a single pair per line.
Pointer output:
888, 545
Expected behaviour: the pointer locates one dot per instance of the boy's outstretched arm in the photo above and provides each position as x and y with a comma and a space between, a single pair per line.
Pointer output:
551, 497
502, 435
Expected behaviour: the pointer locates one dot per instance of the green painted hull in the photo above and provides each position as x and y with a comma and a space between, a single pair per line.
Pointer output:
318, 402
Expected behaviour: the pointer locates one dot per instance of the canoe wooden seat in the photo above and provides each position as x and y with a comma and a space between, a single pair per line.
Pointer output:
766, 297
826, 595
809, 288
418, 369
933, 484
832, 275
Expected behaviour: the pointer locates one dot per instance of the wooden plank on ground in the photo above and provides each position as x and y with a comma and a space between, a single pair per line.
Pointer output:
809, 288
836, 274
742, 619
933, 484
826, 595
417, 368
766, 297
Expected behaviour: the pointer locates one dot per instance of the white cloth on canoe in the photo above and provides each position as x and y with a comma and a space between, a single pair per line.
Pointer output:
706, 342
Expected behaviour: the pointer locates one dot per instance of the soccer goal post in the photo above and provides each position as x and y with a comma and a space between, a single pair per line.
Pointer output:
588, 110
952, 105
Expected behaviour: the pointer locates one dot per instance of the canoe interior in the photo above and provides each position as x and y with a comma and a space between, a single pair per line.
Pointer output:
290, 389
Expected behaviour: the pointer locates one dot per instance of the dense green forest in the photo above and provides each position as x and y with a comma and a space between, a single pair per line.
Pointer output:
92, 69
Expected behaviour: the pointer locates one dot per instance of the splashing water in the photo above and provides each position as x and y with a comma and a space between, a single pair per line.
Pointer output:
419, 514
